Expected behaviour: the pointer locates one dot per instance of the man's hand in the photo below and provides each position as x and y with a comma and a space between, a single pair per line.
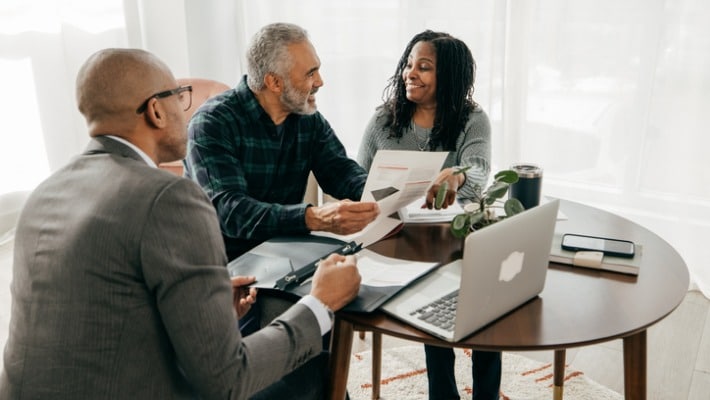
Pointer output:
336, 281
342, 217
243, 297
453, 183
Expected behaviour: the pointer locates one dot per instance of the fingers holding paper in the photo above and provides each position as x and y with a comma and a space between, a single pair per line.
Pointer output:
336, 281
343, 217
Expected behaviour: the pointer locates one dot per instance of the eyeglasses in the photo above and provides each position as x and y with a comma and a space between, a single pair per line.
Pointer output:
185, 99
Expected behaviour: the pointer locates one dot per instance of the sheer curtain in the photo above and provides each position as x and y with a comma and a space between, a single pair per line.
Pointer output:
607, 97
42, 44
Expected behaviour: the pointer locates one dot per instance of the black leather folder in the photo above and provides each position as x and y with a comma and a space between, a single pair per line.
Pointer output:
298, 256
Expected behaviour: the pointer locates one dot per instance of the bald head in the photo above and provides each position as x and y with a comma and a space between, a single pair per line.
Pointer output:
110, 87
112, 83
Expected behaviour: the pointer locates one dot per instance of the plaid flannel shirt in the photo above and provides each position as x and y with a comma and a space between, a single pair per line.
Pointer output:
255, 173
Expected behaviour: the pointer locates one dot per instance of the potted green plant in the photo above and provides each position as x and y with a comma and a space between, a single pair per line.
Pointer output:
484, 206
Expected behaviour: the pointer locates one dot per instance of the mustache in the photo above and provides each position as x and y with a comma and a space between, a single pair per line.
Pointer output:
314, 91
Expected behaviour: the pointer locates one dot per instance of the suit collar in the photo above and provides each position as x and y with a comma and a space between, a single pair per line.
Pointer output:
102, 144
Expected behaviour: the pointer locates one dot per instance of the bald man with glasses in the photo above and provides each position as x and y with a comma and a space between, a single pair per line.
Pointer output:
119, 287
184, 93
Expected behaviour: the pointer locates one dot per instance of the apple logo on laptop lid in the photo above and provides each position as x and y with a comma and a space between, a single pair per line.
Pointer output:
511, 266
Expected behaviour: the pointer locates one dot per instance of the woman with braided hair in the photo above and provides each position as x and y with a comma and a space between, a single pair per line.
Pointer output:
428, 106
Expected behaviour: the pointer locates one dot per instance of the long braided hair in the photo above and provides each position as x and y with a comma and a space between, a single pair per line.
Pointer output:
455, 76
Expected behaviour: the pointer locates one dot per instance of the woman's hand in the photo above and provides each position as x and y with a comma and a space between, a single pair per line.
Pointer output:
451, 181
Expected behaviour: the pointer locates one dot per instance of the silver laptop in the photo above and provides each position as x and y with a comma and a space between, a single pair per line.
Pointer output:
504, 265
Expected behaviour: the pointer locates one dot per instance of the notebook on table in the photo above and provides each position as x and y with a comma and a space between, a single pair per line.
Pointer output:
503, 266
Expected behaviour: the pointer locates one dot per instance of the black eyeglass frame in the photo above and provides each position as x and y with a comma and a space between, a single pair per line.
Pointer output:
167, 93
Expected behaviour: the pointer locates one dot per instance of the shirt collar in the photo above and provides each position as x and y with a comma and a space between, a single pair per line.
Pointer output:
135, 148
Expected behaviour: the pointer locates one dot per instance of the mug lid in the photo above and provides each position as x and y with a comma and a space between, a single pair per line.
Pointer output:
527, 170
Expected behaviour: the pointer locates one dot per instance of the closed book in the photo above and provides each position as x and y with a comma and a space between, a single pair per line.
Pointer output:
595, 259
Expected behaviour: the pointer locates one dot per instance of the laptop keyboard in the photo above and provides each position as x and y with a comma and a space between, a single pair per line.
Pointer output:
440, 312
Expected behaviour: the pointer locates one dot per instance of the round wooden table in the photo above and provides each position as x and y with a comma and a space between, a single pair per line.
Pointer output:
577, 307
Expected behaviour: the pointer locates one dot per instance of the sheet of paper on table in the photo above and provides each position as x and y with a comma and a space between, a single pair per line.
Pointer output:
414, 213
380, 271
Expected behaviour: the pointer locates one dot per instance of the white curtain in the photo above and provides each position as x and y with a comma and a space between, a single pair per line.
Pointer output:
609, 97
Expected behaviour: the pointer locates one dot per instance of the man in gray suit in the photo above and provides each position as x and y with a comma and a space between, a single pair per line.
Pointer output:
120, 288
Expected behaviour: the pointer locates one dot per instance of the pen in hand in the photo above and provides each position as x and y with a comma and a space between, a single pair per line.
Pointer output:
303, 275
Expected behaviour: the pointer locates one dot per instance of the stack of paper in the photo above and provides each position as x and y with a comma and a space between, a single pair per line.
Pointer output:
414, 213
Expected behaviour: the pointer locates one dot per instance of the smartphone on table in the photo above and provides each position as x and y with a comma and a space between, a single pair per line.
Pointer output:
608, 246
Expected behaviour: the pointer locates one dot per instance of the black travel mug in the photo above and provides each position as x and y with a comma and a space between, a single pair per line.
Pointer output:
528, 187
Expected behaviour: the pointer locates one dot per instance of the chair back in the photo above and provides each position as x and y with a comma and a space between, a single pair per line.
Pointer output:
202, 89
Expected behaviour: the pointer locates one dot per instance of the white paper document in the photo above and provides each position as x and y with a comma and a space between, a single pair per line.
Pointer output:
373, 232
396, 179
379, 271
414, 213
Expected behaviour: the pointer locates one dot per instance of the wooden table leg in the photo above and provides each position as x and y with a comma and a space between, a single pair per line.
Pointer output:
635, 366
376, 364
339, 364
559, 374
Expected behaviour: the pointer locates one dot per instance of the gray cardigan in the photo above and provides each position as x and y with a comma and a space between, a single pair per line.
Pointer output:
473, 146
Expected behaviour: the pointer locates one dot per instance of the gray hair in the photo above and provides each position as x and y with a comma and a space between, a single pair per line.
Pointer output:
268, 52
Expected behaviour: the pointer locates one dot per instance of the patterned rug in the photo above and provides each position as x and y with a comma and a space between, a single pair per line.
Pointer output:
404, 377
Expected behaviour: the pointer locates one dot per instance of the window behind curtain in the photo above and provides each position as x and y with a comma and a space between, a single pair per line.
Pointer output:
42, 45
608, 97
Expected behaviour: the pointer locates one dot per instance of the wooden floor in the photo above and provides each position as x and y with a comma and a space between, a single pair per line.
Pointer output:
678, 347
678, 355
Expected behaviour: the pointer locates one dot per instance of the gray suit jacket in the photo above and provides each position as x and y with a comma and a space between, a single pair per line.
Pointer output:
120, 291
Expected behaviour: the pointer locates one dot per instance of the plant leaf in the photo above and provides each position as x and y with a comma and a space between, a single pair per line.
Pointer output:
476, 217
508, 176
484, 214
512, 207
497, 190
460, 221
477, 192
459, 234
460, 225
461, 170
441, 195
